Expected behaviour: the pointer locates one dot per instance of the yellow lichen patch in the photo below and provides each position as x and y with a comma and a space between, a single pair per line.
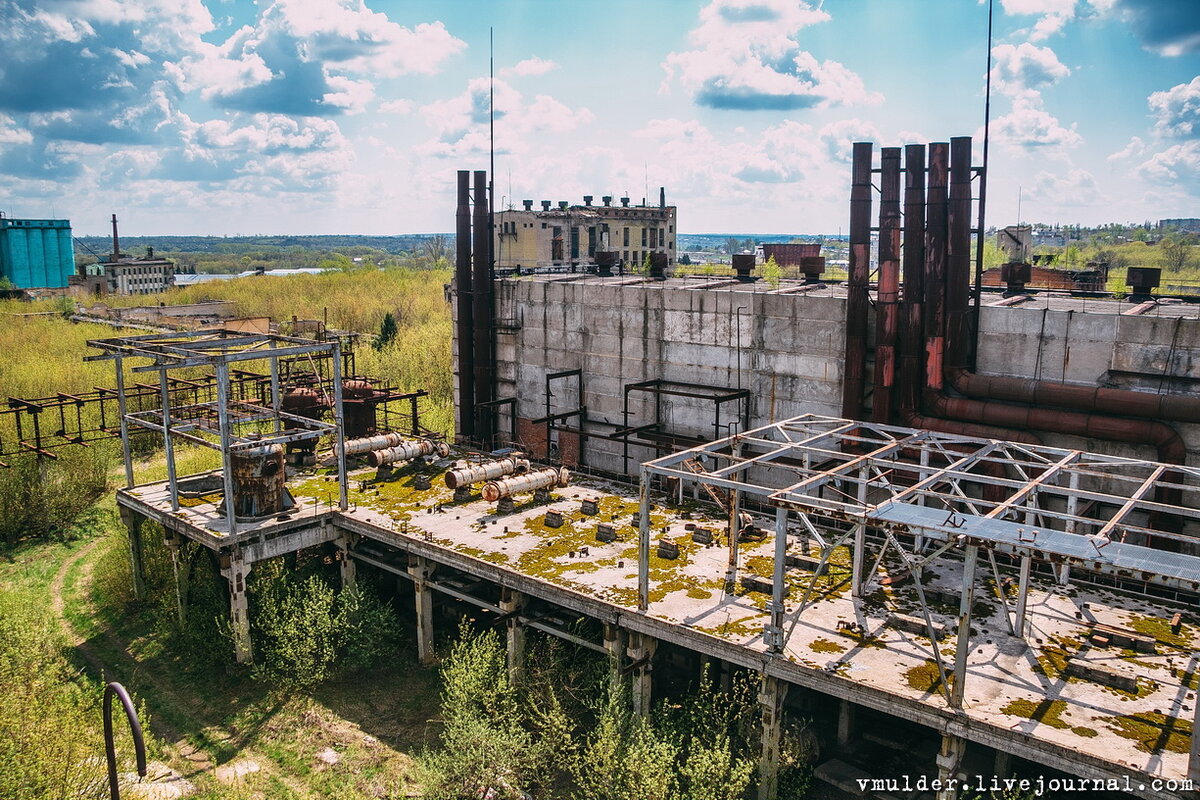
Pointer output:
743, 626
825, 646
925, 677
1161, 630
1153, 732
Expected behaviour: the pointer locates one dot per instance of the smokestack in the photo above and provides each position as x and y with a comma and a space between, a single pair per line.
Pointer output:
116, 242
465, 323
587, 200
528, 205
482, 300
662, 197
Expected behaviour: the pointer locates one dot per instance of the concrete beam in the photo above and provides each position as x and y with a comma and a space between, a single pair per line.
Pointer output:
615, 643
963, 648
641, 652
347, 569
133, 526
845, 727
772, 693
949, 764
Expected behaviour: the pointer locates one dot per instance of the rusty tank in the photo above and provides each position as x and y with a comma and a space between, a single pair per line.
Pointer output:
259, 478
358, 407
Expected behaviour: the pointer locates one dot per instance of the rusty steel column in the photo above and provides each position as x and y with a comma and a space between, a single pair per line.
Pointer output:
887, 297
910, 378
481, 296
958, 255
465, 322
857, 299
935, 263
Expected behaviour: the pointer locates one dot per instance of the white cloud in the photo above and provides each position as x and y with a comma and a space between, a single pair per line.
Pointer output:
1167, 27
1135, 148
1075, 187
400, 106
745, 56
1025, 68
529, 67
1028, 126
1177, 166
1053, 15
1177, 110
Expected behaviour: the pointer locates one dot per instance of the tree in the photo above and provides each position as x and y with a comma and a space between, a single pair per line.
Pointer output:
1175, 253
772, 273
387, 331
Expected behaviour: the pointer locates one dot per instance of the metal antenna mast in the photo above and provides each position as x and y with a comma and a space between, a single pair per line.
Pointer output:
983, 179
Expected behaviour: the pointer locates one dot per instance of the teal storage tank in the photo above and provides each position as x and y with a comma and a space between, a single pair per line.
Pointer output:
36, 253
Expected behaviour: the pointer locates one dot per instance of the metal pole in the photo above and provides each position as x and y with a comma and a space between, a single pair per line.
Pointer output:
778, 590
226, 441
125, 454
275, 399
167, 444
340, 432
963, 648
644, 541
858, 557
110, 746
1022, 595
735, 526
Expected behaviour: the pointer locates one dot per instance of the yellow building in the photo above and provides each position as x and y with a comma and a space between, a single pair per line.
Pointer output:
571, 235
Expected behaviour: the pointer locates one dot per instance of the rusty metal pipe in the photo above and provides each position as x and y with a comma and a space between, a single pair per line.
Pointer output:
356, 447
407, 451
958, 428
481, 296
474, 473
465, 321
935, 263
135, 728
911, 377
887, 319
958, 255
857, 299
541, 479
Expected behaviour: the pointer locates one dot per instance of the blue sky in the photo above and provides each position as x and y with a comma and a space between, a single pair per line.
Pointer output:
339, 116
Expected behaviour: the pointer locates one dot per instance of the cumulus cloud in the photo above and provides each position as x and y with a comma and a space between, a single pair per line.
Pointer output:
529, 67
1052, 15
746, 56
312, 57
1177, 110
1025, 69
1075, 187
1166, 27
1135, 148
1177, 166
460, 123
1030, 127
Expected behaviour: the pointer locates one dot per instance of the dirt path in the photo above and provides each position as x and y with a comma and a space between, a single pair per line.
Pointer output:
194, 763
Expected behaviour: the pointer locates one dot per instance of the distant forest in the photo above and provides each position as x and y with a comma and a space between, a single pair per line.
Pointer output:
240, 245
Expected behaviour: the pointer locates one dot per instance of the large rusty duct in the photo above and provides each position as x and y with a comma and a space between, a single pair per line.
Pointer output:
887, 321
910, 375
858, 284
465, 324
482, 302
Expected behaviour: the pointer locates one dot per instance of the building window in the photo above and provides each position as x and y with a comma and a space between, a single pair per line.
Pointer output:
643, 237
627, 236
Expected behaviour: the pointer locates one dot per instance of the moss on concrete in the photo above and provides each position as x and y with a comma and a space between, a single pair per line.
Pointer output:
1160, 629
925, 678
1047, 712
1153, 732
825, 646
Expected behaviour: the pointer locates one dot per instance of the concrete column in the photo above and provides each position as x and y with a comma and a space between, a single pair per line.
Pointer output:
1194, 756
181, 567
615, 644
347, 567
644, 542
420, 570
949, 763
1003, 765
771, 695
133, 525
641, 649
511, 602
845, 728
236, 572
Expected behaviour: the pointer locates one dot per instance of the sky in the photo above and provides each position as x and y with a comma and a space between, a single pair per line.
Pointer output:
231, 117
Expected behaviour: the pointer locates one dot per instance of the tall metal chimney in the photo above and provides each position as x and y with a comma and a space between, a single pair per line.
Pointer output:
116, 256
662, 197
482, 301
465, 324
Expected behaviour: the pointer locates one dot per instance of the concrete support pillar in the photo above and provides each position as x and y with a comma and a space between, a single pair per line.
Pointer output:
1003, 767
963, 648
347, 567
236, 569
133, 525
771, 695
511, 602
845, 728
641, 653
615, 643
949, 764
181, 567
1194, 757
421, 571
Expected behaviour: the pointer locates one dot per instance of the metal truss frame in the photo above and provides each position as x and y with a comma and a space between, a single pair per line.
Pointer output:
224, 418
921, 495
